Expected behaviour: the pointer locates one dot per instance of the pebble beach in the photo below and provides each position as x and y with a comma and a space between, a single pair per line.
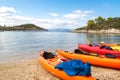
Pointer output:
32, 70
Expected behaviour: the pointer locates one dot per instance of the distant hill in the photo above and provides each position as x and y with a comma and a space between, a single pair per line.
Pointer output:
22, 27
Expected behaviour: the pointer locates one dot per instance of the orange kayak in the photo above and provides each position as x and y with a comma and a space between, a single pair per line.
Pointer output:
93, 60
49, 65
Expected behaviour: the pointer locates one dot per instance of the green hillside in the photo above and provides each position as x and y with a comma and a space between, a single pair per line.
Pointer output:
101, 23
22, 27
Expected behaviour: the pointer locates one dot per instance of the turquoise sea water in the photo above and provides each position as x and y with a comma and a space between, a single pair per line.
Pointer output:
19, 45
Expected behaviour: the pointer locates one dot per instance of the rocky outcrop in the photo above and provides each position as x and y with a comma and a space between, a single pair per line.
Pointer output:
109, 31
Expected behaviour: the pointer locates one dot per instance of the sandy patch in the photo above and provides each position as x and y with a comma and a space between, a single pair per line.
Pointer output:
31, 70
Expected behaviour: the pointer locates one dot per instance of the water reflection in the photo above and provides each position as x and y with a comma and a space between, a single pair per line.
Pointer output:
108, 38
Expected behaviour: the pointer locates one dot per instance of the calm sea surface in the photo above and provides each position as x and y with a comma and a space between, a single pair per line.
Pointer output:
19, 45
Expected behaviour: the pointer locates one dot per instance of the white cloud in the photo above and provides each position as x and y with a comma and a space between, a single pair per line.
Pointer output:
54, 14
7, 10
78, 14
72, 20
83, 12
88, 12
71, 16
54, 23
77, 11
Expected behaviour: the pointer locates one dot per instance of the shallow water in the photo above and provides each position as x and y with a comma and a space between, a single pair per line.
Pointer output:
19, 45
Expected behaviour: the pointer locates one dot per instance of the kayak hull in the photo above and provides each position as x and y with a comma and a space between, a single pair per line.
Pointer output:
98, 50
46, 64
93, 60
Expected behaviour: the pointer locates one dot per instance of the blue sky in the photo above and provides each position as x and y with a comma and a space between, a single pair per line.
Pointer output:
56, 13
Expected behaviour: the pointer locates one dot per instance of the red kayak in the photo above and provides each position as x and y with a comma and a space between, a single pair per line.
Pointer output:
98, 50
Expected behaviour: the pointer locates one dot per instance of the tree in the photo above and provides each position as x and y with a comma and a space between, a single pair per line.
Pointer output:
90, 24
99, 22
109, 19
99, 19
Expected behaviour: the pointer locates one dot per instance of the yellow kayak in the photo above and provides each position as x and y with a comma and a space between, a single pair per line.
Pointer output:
116, 48
113, 46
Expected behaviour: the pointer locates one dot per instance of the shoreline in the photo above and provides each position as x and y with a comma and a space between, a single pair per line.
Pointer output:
32, 70
109, 31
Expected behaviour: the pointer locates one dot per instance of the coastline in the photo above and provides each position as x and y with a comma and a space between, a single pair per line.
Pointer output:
32, 70
108, 31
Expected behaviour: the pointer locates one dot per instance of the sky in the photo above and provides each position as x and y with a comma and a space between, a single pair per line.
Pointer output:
50, 14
